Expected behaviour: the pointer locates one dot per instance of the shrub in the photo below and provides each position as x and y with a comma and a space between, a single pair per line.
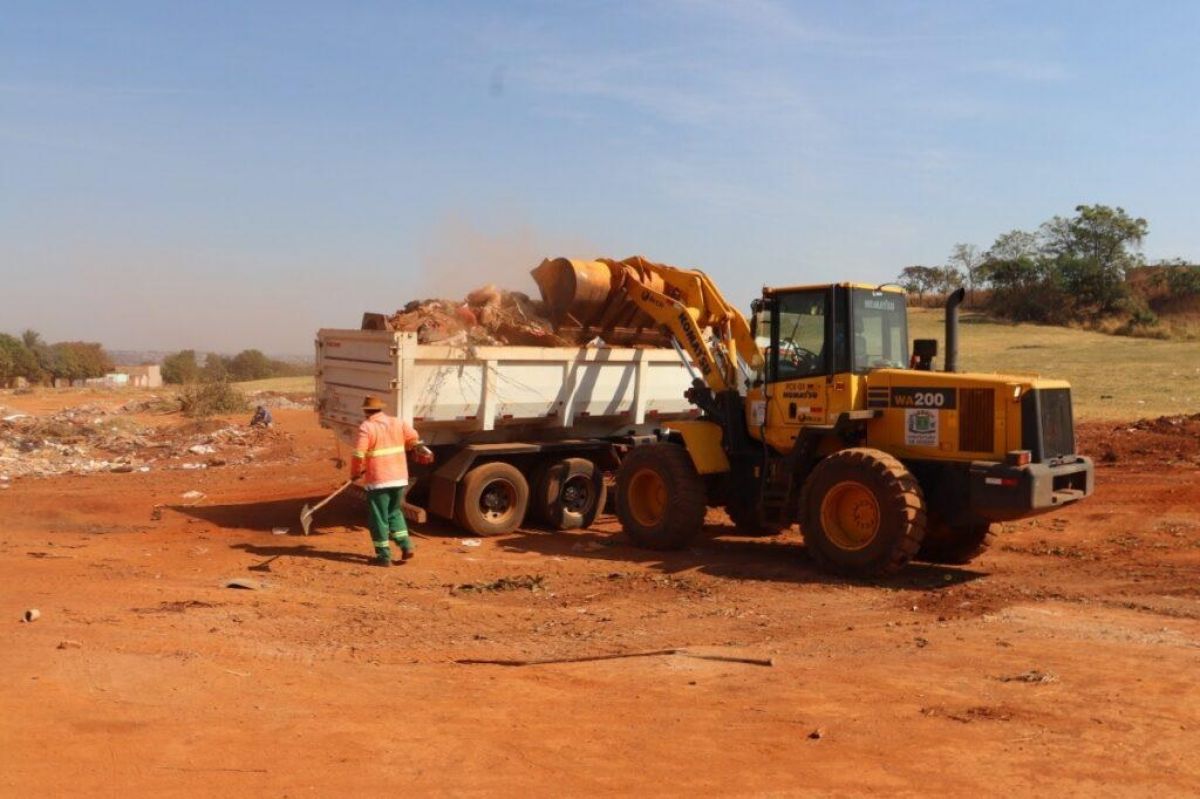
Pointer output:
210, 399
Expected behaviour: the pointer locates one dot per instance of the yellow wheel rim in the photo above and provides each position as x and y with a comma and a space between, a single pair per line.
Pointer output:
647, 497
850, 515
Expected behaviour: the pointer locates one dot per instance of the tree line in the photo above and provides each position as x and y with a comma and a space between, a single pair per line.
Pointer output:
1082, 268
37, 361
185, 367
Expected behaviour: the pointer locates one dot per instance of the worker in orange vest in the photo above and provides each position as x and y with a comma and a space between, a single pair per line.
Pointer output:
380, 457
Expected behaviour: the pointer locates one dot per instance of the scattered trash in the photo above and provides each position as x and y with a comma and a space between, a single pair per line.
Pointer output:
68, 644
192, 496
244, 583
193, 466
816, 734
528, 582
31, 615
1031, 676
470, 542
280, 530
90, 438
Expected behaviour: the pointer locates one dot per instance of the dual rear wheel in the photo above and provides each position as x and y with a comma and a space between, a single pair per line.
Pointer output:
494, 498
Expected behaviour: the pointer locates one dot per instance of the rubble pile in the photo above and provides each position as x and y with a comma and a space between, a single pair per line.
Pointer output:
89, 439
279, 401
1166, 439
488, 315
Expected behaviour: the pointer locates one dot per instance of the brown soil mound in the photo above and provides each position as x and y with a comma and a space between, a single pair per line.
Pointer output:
1167, 439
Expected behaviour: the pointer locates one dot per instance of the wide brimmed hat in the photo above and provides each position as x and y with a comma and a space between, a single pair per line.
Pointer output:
372, 403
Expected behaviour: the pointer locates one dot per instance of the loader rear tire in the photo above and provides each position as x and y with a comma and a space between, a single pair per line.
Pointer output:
864, 513
569, 494
660, 498
492, 499
956, 545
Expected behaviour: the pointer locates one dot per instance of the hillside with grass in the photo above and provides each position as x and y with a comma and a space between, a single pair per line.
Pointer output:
1112, 377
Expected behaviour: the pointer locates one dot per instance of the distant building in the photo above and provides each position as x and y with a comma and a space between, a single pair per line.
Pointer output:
110, 380
145, 376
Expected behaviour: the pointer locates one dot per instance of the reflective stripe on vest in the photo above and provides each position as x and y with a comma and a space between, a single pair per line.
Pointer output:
375, 453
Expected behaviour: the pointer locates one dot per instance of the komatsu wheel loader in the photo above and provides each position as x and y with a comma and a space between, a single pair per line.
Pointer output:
815, 413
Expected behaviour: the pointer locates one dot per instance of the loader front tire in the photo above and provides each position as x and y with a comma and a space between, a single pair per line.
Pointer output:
864, 513
660, 498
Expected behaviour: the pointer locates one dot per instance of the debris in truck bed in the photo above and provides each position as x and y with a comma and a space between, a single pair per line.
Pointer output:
493, 316
488, 315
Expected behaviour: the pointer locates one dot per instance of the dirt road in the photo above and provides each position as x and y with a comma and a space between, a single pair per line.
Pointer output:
1064, 662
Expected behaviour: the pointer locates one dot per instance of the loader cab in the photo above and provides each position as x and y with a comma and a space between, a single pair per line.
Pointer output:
820, 331
819, 345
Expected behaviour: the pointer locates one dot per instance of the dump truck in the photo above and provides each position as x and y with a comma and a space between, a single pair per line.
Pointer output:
816, 412
519, 432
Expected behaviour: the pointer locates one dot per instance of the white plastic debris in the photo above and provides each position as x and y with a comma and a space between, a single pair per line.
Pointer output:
470, 542
201, 449
279, 530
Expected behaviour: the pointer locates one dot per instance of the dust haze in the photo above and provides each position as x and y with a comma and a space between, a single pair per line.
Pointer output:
459, 254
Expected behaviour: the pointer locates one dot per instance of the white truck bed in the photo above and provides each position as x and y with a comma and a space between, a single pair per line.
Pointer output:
462, 394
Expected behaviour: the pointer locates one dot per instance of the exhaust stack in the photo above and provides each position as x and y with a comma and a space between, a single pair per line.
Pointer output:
952, 302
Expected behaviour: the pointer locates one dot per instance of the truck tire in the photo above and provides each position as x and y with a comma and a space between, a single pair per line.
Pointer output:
864, 513
660, 498
569, 493
958, 544
491, 499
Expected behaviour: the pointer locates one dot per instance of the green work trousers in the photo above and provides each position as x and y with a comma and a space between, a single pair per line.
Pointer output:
386, 519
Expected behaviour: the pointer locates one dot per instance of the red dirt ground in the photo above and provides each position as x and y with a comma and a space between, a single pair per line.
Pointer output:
1062, 662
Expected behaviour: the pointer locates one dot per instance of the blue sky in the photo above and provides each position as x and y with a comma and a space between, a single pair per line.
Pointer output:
224, 175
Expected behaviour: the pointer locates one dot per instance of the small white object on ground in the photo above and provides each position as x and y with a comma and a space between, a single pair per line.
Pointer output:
279, 530
33, 614
471, 542
201, 449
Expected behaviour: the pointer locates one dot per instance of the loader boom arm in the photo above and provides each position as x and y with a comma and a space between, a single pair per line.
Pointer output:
683, 301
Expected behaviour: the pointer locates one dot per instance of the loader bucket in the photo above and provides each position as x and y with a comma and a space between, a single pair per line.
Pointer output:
590, 296
574, 291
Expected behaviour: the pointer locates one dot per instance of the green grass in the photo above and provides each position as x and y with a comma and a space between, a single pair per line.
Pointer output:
305, 384
1142, 377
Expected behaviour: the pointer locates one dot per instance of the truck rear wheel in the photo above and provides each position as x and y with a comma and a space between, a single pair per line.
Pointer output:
864, 513
568, 494
958, 544
660, 498
492, 499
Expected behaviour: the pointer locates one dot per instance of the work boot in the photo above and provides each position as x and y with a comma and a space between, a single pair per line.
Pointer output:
382, 558
407, 554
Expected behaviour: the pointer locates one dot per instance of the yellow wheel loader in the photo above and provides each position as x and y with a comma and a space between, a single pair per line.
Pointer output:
815, 412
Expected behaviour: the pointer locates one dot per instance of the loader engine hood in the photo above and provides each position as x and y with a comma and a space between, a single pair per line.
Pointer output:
977, 415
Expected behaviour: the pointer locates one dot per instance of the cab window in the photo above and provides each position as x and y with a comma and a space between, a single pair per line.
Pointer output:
799, 335
880, 322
